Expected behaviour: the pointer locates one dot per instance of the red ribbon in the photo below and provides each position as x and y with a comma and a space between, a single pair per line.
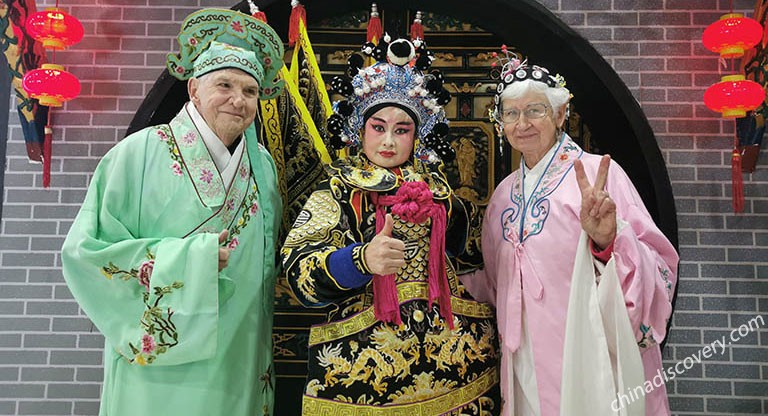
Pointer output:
413, 203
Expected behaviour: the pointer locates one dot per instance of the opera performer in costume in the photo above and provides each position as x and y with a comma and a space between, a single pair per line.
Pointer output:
172, 255
377, 244
581, 277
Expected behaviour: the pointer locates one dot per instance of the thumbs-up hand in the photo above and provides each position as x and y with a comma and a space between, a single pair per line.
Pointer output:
223, 251
385, 255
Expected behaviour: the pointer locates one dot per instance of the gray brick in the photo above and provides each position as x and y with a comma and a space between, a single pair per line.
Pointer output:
734, 405
22, 357
700, 221
25, 292
72, 196
697, 320
686, 404
750, 255
30, 227
62, 292
46, 276
753, 389
746, 354
749, 339
89, 374
86, 407
72, 324
17, 211
687, 303
76, 165
31, 196
747, 288
25, 324
684, 336
73, 391
719, 388
47, 374
28, 259
9, 374
729, 303
91, 341
10, 340
56, 211
11, 307
687, 270
51, 340
730, 271
731, 371
92, 357
736, 238
52, 308
22, 390
7, 408
45, 408
702, 254
701, 286
13, 243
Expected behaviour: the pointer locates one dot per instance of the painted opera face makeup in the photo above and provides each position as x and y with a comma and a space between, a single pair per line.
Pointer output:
389, 136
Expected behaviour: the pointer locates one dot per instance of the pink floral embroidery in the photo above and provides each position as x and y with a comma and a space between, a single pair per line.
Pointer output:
254, 208
231, 204
176, 167
147, 343
163, 136
189, 138
243, 172
237, 27
206, 176
233, 244
145, 273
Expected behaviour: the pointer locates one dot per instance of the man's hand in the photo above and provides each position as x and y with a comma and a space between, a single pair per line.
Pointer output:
223, 251
598, 211
385, 255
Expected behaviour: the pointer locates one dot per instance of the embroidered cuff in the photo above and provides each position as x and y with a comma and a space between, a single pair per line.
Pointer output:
348, 268
603, 255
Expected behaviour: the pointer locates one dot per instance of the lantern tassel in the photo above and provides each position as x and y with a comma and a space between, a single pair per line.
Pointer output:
255, 12
47, 155
298, 13
737, 181
375, 29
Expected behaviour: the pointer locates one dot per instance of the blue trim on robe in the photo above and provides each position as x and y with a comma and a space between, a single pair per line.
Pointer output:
343, 269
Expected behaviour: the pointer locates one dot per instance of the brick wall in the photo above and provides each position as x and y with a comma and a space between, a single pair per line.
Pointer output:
50, 354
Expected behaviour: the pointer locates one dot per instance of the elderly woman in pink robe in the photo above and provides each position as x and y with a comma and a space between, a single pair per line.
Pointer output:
559, 233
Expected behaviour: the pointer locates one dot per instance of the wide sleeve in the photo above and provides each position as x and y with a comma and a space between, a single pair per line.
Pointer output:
322, 260
646, 262
154, 298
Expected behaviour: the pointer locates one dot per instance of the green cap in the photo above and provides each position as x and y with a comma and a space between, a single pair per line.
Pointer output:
221, 55
205, 27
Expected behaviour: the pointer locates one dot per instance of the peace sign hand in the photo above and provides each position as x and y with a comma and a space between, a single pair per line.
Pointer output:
598, 210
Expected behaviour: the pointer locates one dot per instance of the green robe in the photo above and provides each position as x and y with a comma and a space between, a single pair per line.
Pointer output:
141, 258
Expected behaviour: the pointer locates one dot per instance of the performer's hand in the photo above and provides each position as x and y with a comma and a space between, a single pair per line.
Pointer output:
384, 254
598, 210
223, 251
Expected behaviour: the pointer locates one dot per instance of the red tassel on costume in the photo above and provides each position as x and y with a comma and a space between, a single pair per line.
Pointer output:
737, 181
258, 15
47, 148
417, 30
375, 29
297, 13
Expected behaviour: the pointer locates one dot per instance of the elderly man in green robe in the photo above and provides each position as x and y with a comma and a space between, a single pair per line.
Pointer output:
172, 253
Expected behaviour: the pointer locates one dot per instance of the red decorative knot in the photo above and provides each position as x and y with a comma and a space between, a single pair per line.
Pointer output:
732, 34
734, 96
55, 28
51, 85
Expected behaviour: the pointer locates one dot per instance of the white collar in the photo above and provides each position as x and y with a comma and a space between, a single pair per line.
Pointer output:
219, 152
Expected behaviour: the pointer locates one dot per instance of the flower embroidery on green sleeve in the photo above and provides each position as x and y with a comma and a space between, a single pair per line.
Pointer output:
249, 208
160, 333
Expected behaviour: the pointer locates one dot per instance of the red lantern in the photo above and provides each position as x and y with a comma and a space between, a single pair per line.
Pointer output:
732, 34
734, 96
55, 28
51, 85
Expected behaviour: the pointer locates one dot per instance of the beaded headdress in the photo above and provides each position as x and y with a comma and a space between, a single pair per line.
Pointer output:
509, 69
398, 78
201, 28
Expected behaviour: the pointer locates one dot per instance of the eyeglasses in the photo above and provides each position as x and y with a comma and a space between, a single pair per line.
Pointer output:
531, 112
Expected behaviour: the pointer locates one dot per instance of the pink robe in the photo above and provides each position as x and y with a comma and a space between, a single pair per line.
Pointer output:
529, 251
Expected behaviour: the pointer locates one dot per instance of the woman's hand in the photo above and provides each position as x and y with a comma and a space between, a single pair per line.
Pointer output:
598, 211
385, 255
